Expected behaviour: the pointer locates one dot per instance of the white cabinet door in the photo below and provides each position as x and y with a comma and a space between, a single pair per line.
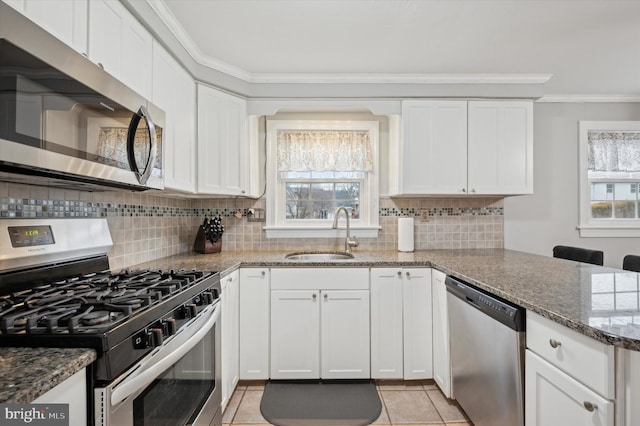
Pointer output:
441, 356
254, 323
553, 398
65, 19
386, 323
230, 334
500, 147
295, 334
174, 91
120, 44
344, 334
418, 335
222, 143
433, 148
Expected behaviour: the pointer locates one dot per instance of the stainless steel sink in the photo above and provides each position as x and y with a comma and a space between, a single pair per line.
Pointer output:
318, 256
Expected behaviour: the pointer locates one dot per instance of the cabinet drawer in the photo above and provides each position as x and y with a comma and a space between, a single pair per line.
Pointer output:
585, 359
319, 279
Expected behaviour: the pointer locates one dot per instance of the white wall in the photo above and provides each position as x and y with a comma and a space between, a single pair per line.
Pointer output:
535, 223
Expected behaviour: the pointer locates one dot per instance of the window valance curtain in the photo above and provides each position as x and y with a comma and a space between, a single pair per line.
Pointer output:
324, 150
614, 151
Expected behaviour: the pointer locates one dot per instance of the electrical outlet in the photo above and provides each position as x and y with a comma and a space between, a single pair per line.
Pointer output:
257, 216
424, 215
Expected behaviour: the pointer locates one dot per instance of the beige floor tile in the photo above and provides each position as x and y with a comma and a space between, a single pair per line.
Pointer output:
232, 406
431, 386
400, 387
459, 424
448, 409
410, 407
249, 409
383, 419
255, 387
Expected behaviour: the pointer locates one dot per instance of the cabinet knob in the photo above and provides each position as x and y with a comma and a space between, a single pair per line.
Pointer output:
473, 190
100, 65
590, 406
243, 191
400, 273
263, 273
464, 189
314, 296
326, 297
554, 343
408, 274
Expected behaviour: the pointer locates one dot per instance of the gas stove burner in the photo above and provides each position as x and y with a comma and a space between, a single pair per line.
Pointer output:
96, 317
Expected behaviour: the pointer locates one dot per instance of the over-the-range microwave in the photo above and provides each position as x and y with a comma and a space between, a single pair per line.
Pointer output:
66, 122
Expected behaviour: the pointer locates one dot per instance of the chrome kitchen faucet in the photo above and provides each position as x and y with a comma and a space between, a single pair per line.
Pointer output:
348, 242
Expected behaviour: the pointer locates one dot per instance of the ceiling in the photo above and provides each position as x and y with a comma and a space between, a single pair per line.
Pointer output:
589, 47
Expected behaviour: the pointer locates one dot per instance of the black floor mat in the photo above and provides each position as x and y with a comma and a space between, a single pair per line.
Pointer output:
335, 403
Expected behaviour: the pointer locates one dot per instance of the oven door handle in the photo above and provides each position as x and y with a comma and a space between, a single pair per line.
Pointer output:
141, 379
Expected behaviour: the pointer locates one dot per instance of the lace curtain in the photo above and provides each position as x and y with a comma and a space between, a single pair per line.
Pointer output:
614, 151
324, 150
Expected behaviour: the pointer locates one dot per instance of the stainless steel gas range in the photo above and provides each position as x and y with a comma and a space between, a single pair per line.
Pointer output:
156, 333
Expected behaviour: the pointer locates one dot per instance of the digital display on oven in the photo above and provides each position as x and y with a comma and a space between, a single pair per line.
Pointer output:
27, 236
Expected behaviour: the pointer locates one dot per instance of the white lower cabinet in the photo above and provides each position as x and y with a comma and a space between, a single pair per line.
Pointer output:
569, 377
254, 323
441, 354
418, 322
230, 321
554, 398
386, 324
72, 391
320, 332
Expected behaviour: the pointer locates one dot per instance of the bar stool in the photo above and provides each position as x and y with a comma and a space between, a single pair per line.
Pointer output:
578, 254
631, 263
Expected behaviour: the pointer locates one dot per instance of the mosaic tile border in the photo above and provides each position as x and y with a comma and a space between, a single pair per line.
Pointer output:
21, 208
442, 211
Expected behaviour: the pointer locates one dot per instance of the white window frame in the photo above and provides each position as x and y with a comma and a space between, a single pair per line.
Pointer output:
367, 226
598, 228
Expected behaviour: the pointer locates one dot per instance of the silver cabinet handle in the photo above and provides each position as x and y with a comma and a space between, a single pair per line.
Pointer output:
326, 297
554, 343
590, 406
464, 190
408, 274
399, 273
473, 190
314, 296
263, 273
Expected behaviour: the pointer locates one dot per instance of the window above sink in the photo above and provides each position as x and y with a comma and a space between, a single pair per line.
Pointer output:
314, 167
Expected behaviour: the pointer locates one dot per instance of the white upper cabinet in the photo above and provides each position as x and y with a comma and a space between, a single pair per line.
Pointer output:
500, 150
433, 148
174, 91
222, 143
460, 148
65, 19
120, 44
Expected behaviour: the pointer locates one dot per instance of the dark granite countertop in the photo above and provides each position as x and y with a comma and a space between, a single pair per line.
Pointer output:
602, 303
27, 373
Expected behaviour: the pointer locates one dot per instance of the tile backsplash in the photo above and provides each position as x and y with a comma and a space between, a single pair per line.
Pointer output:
145, 226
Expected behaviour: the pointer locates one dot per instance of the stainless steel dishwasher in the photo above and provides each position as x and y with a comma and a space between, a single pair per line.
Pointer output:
487, 355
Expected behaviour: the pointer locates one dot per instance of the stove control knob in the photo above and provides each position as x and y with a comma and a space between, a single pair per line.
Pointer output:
208, 297
216, 293
198, 300
191, 310
155, 337
169, 327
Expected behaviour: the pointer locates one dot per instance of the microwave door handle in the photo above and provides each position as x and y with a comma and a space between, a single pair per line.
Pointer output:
136, 382
131, 137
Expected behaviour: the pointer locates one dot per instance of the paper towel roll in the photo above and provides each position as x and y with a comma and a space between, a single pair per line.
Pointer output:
405, 234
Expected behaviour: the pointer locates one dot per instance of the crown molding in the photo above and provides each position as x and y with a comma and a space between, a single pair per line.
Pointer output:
589, 98
400, 78
169, 19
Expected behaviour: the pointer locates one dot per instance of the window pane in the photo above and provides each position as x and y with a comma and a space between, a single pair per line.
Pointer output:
625, 191
625, 209
601, 191
297, 202
323, 209
601, 209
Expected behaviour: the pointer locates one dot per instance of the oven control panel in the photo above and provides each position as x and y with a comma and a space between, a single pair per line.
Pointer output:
27, 236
